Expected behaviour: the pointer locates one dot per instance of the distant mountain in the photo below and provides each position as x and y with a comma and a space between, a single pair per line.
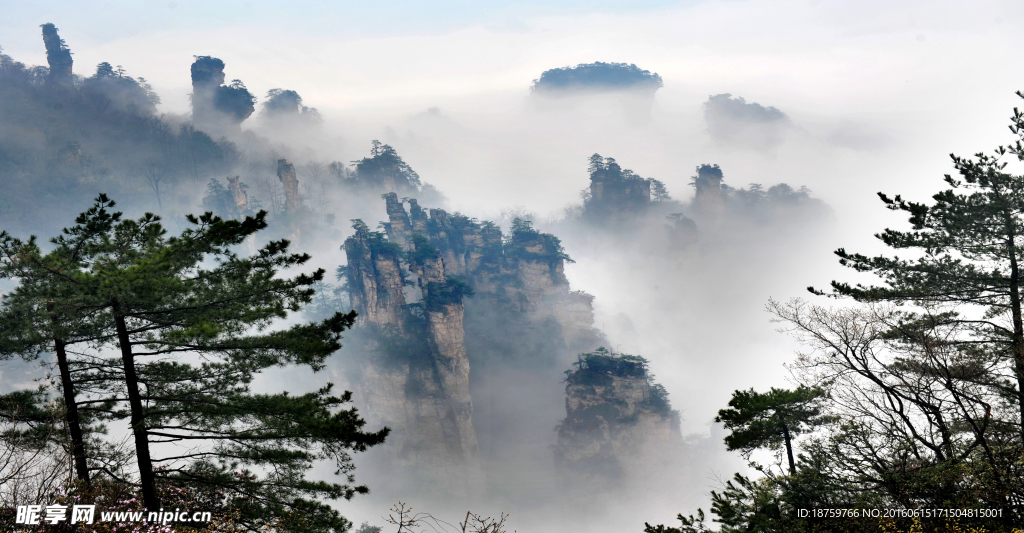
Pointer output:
597, 76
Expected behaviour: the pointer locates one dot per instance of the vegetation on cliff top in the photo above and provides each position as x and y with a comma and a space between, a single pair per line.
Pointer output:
597, 76
598, 368
385, 167
525, 243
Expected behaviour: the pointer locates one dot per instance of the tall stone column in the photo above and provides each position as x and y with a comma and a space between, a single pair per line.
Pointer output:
58, 56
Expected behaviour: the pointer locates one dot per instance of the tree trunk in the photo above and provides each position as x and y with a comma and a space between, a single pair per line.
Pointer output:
1018, 329
71, 415
138, 420
789, 449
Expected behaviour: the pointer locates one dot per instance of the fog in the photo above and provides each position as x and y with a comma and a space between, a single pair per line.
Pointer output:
844, 98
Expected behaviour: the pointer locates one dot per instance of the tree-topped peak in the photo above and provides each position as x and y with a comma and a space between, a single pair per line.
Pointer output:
386, 170
615, 191
713, 171
614, 170
597, 76
523, 242
607, 361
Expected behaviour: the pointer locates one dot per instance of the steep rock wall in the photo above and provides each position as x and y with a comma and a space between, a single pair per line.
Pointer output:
410, 285
58, 57
286, 173
218, 109
523, 273
709, 202
238, 195
416, 379
615, 416
375, 279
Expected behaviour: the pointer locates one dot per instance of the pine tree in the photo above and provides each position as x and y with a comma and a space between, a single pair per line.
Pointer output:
771, 419
967, 249
192, 322
44, 314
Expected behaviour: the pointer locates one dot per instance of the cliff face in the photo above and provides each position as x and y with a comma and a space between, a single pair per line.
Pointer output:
218, 109
615, 193
386, 171
375, 279
609, 185
709, 202
410, 285
615, 416
238, 195
523, 273
58, 56
417, 378
286, 173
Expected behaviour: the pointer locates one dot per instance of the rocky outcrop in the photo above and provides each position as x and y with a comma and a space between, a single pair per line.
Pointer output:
286, 173
574, 313
385, 171
375, 279
283, 110
615, 192
709, 202
417, 381
399, 229
218, 109
615, 416
284, 103
238, 195
58, 56
409, 285
682, 231
525, 272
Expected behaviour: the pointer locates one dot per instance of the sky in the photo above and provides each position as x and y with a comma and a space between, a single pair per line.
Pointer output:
876, 96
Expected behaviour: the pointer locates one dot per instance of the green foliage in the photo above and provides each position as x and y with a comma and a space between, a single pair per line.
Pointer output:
525, 243
234, 99
959, 290
76, 141
218, 198
378, 241
616, 191
659, 193
386, 169
597, 76
925, 376
157, 297
772, 419
603, 361
422, 251
113, 87
689, 524
285, 103
705, 173
755, 198
658, 402
597, 368
451, 291
329, 299
28, 417
365, 527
